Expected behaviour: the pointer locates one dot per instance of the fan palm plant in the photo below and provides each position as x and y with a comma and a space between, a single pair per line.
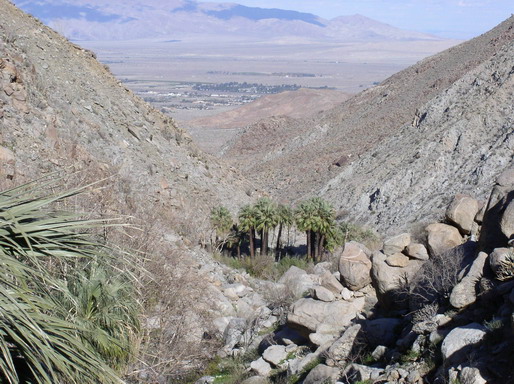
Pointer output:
285, 219
247, 222
266, 220
40, 340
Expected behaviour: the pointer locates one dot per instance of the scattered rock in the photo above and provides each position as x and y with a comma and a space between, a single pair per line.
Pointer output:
318, 338
205, 380
362, 373
462, 212
471, 375
396, 244
355, 266
442, 238
507, 221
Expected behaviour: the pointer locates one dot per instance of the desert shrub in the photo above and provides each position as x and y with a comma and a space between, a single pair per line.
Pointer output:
435, 280
353, 232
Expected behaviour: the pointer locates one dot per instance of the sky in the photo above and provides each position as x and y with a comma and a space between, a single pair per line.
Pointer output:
460, 19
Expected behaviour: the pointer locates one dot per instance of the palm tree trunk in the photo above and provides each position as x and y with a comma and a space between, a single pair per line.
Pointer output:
321, 249
308, 233
264, 246
252, 247
277, 250
316, 247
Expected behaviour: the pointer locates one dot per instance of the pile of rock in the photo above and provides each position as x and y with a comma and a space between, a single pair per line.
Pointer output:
355, 310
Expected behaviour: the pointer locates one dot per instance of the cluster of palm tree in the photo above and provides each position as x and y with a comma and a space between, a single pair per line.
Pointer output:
315, 217
68, 309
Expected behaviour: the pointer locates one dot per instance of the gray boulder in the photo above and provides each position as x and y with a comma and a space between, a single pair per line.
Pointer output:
492, 234
464, 293
462, 212
235, 333
396, 244
330, 282
355, 266
308, 314
362, 373
507, 221
442, 238
322, 293
261, 367
460, 341
322, 374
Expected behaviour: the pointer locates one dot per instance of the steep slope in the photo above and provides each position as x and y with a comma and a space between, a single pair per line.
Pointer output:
61, 108
373, 130
121, 20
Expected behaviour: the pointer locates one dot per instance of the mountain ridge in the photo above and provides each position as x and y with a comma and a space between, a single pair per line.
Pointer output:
96, 20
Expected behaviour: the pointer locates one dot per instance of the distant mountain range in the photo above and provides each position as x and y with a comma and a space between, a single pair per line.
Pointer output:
178, 19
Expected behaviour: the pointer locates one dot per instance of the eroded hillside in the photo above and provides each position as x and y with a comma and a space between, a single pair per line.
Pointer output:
397, 131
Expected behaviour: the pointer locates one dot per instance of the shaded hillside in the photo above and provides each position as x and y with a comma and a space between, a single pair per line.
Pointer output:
354, 151
214, 131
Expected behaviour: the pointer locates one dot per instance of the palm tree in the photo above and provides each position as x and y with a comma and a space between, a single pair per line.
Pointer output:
247, 222
40, 341
285, 218
222, 222
266, 220
305, 221
316, 218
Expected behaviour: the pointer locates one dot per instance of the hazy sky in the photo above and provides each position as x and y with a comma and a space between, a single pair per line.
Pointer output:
449, 18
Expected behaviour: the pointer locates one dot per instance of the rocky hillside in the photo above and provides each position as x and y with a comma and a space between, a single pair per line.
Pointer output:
402, 148
63, 115
437, 309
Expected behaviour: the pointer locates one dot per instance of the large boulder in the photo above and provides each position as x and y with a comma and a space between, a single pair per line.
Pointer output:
464, 293
322, 374
462, 212
442, 238
261, 367
355, 266
397, 260
460, 341
396, 244
389, 281
492, 234
308, 314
